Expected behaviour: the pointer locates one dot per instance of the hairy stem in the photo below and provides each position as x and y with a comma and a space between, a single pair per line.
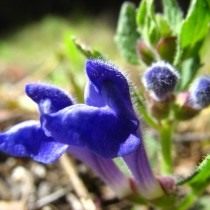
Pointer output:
166, 132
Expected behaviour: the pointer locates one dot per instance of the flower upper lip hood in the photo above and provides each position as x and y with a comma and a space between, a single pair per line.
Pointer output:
108, 86
102, 73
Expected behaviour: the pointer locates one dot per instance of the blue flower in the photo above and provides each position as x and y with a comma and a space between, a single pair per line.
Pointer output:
160, 80
106, 124
103, 128
52, 100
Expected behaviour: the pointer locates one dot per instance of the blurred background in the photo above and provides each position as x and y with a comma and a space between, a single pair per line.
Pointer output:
36, 35
21, 12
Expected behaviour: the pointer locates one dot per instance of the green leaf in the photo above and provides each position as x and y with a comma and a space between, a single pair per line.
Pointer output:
146, 22
72, 52
87, 52
189, 70
153, 33
208, 1
201, 176
198, 182
163, 25
126, 36
195, 25
173, 14
141, 15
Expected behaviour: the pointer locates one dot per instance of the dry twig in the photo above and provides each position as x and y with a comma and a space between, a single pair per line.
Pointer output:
49, 199
77, 184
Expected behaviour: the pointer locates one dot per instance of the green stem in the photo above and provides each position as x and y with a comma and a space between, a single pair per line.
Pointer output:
147, 118
187, 179
190, 199
166, 147
187, 202
140, 106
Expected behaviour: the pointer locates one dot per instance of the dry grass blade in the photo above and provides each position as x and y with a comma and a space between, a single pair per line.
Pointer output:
77, 184
50, 198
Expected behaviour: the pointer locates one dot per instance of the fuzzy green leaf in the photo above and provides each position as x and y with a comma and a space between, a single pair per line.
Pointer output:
201, 177
146, 21
189, 71
163, 25
195, 26
126, 36
142, 13
172, 13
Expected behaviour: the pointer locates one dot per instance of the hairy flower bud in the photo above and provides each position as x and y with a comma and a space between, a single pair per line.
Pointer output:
160, 80
200, 92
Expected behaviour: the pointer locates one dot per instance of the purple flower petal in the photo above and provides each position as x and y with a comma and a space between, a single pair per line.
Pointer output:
148, 185
27, 139
100, 129
138, 163
39, 92
130, 144
104, 168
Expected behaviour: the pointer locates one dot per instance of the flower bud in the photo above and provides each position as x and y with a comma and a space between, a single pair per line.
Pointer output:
167, 183
160, 109
183, 107
200, 93
166, 48
160, 80
145, 53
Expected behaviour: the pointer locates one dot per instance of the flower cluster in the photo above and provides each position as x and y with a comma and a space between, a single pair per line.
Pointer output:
160, 81
104, 127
